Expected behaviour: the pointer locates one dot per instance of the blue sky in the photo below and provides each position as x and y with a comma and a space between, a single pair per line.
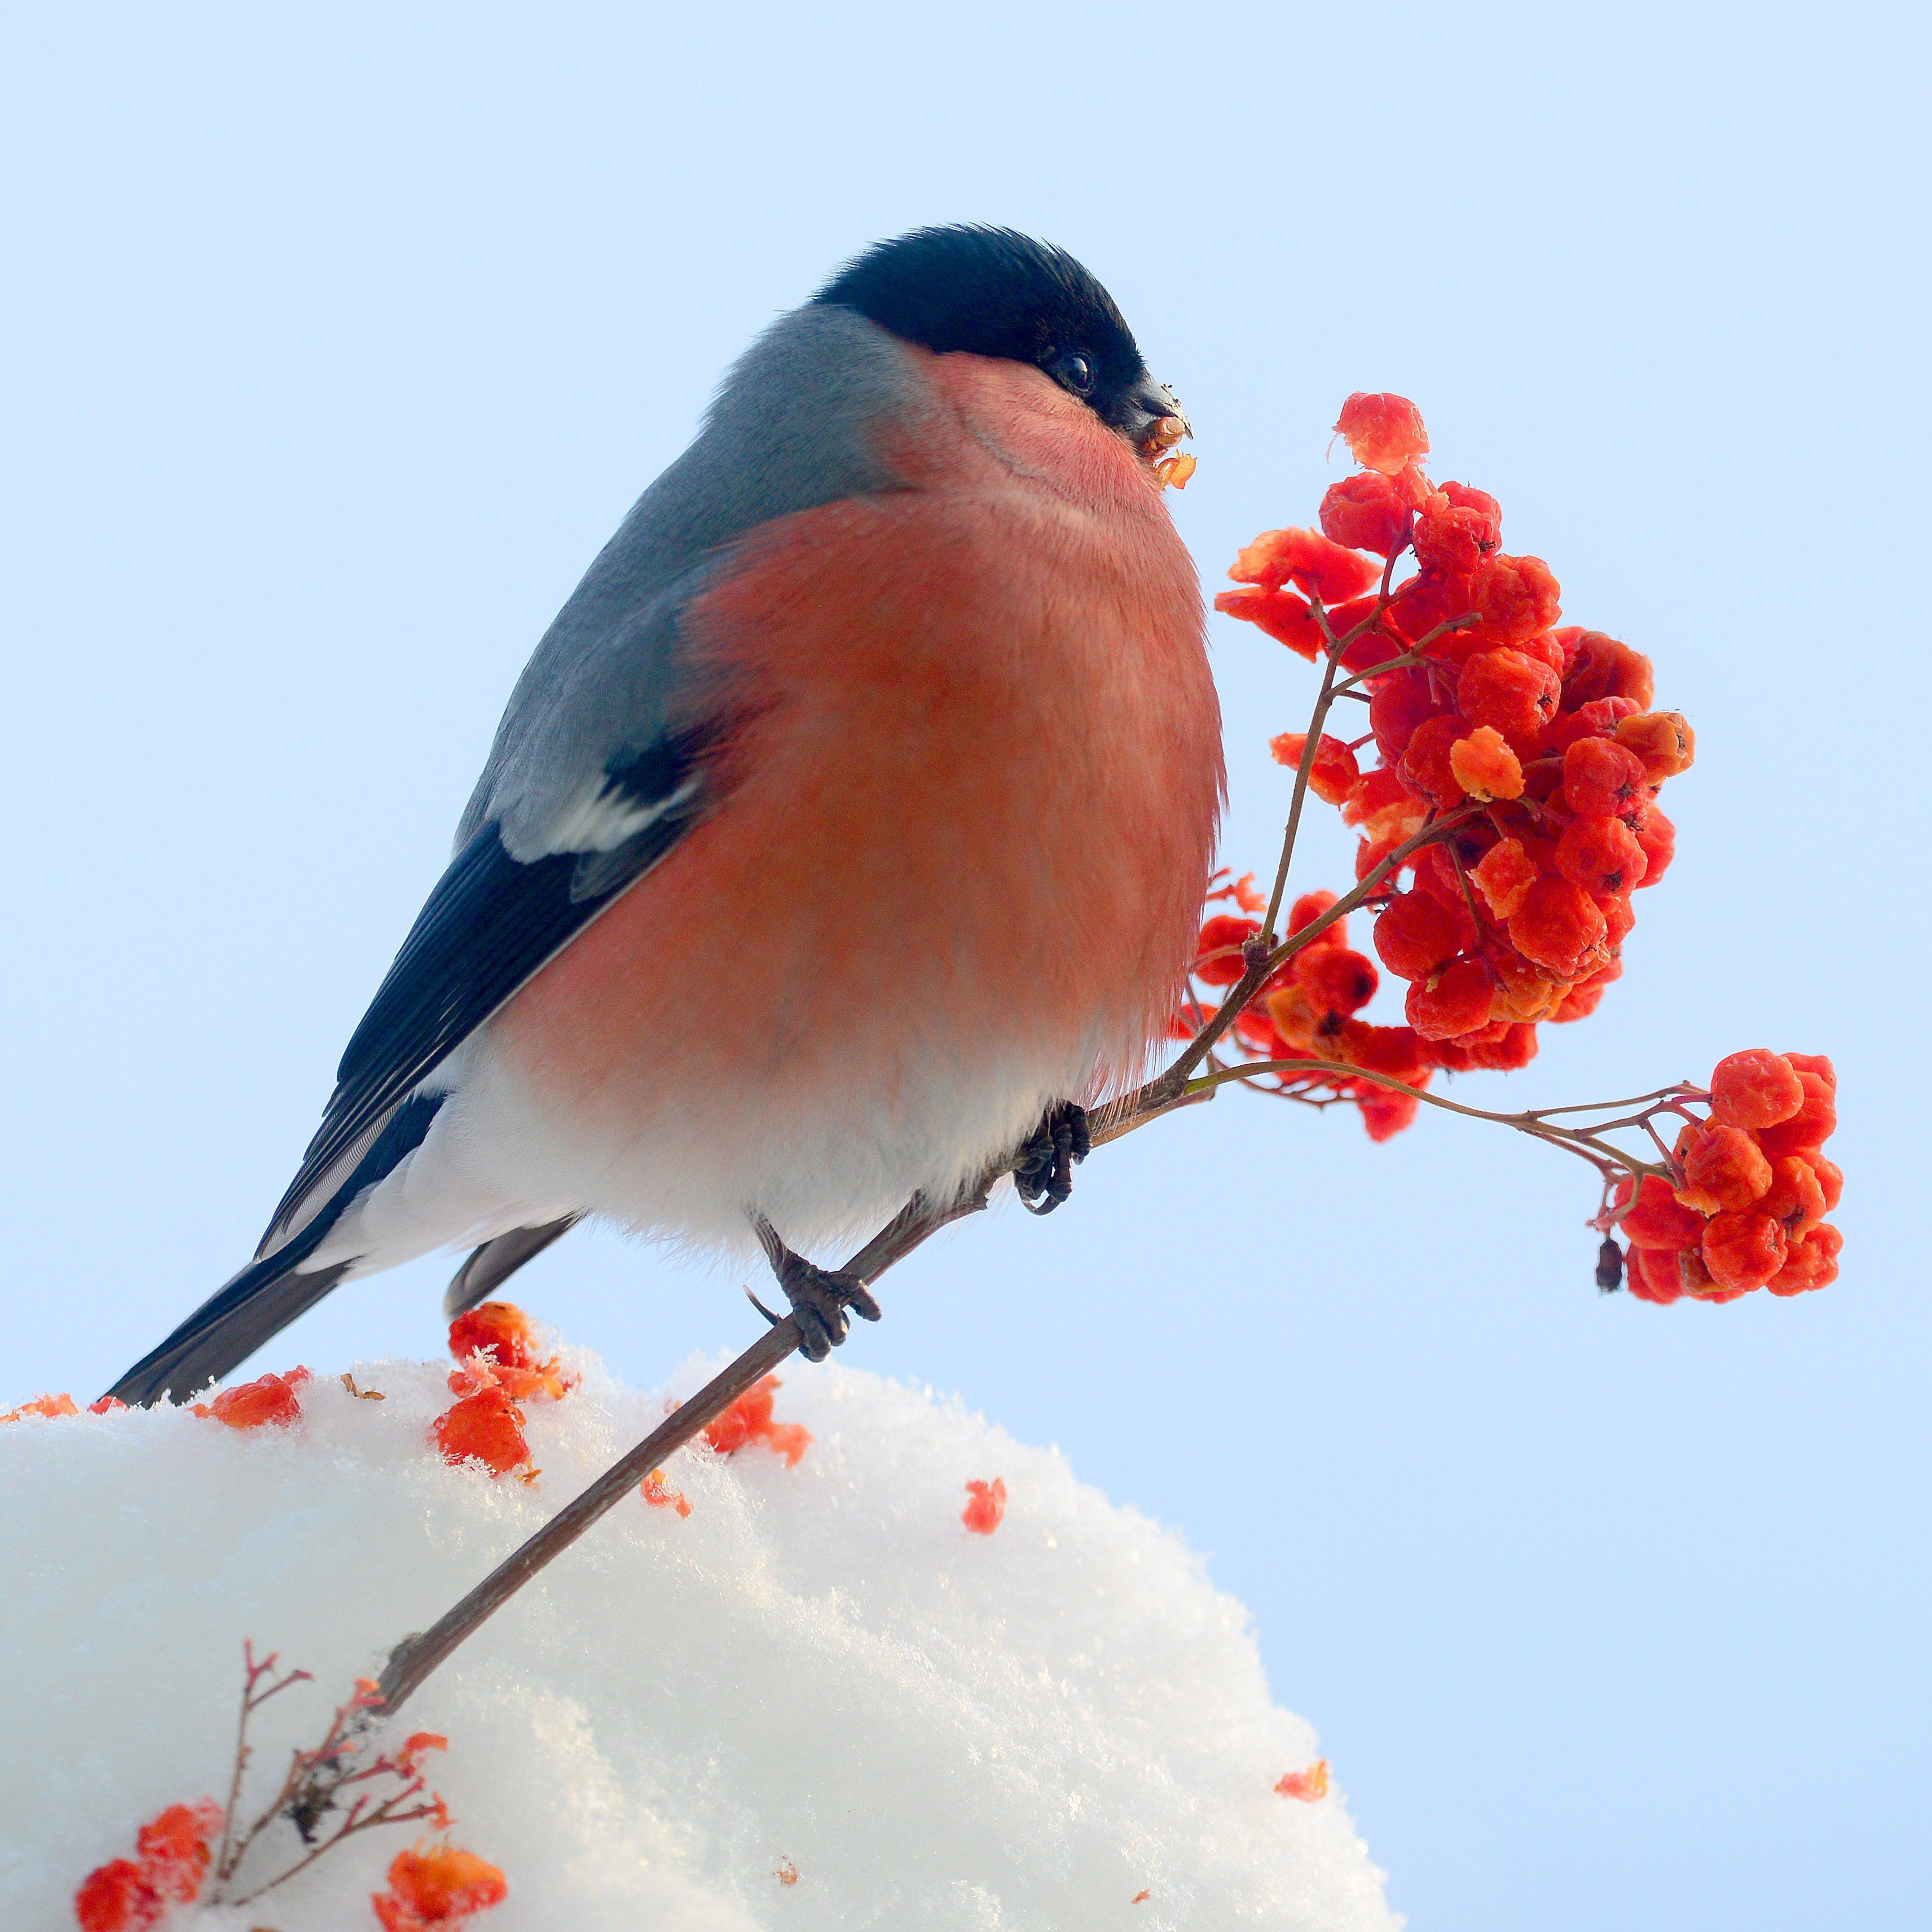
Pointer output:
338, 339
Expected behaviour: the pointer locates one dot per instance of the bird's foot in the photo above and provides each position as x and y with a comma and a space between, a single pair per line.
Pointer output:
819, 1297
1043, 1167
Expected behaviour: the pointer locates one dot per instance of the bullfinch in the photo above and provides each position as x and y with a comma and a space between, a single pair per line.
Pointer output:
847, 832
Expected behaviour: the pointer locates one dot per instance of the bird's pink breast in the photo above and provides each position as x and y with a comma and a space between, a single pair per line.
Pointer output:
970, 806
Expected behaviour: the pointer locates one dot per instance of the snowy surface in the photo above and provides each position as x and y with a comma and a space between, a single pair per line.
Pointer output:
819, 1670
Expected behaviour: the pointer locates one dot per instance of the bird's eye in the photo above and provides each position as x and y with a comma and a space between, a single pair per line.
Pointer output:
1073, 371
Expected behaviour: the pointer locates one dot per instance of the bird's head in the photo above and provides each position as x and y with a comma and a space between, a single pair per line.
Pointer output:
991, 292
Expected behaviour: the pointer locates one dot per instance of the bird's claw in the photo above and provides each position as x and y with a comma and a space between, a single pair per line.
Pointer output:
819, 1297
1043, 1167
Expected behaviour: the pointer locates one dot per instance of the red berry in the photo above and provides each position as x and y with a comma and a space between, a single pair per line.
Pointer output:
1514, 692
486, 1428
1601, 667
1382, 808
1756, 1088
1454, 1001
1426, 766
1796, 1197
1515, 598
1658, 1219
1417, 934
1557, 927
1398, 702
1384, 432
1601, 855
1309, 560
1744, 1250
1815, 1122
1602, 780
1337, 981
1334, 771
1650, 1274
1365, 512
1385, 1113
1456, 529
1281, 614
1658, 837
1723, 1169
1815, 1063
1812, 1263
1306, 910
1503, 875
1218, 960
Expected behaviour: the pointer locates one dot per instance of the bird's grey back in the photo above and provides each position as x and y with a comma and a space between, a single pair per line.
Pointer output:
792, 426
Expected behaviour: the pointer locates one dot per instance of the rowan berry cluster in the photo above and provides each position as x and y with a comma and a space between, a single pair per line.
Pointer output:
498, 1371
192, 1854
1510, 810
1750, 1188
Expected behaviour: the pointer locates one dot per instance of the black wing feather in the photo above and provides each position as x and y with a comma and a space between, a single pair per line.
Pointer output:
490, 925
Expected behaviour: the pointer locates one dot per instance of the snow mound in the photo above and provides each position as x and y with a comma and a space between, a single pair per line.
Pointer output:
819, 1672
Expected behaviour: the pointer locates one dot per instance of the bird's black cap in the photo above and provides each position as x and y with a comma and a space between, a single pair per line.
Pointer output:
992, 292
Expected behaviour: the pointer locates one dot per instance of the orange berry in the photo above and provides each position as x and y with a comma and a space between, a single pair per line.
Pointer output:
270, 1399
1663, 739
1658, 837
1756, 1088
1744, 1249
1486, 768
1503, 875
986, 1506
1398, 701
1830, 1178
1723, 1169
437, 1885
1815, 1063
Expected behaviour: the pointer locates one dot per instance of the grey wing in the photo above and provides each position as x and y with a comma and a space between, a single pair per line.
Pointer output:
600, 764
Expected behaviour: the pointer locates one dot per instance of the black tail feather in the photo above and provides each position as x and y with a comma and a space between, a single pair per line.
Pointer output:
268, 1294
492, 1265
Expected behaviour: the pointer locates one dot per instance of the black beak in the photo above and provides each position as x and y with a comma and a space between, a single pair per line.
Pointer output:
1152, 413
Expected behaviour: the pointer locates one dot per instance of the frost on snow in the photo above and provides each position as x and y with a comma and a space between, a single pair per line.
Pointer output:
815, 1700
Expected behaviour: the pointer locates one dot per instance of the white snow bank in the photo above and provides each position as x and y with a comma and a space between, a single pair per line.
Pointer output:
820, 1665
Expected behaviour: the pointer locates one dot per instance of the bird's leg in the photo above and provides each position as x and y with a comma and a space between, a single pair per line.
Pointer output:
1043, 1167
819, 1297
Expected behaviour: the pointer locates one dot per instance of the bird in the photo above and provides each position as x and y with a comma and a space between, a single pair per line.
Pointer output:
846, 834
